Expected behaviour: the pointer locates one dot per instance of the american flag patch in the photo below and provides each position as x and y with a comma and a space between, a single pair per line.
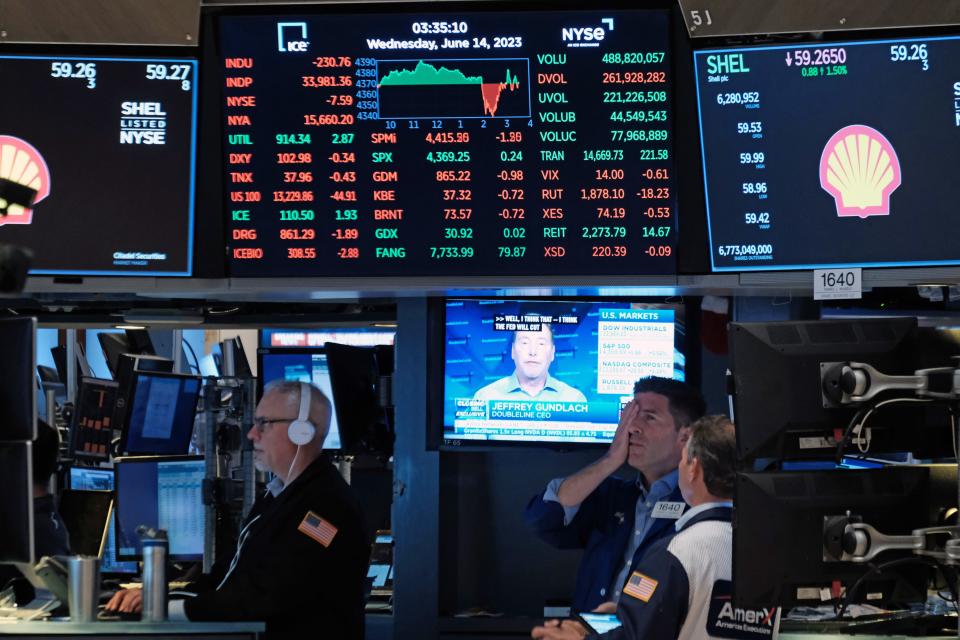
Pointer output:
640, 586
317, 528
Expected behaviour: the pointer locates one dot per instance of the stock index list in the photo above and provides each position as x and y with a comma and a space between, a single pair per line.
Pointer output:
507, 143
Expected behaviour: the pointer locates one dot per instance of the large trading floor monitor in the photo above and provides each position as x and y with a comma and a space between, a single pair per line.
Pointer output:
423, 141
109, 146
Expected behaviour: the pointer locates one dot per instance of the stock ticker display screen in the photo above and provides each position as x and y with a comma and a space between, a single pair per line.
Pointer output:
508, 143
108, 145
839, 154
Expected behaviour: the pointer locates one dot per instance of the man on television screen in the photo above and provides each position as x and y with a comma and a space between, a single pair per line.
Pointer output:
532, 353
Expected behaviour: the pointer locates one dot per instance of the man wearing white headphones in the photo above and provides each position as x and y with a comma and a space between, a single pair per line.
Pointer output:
302, 555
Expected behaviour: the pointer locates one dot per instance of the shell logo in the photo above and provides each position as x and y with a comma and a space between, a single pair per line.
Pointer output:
860, 169
21, 163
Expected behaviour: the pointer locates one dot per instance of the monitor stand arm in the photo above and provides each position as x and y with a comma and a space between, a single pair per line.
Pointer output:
848, 539
847, 383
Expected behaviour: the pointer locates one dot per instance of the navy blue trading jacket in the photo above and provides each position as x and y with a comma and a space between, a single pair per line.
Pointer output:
602, 528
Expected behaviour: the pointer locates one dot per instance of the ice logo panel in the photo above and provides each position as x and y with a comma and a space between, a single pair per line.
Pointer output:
22, 164
860, 169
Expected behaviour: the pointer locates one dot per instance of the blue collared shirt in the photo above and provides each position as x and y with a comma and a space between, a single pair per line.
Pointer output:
648, 499
659, 490
700, 508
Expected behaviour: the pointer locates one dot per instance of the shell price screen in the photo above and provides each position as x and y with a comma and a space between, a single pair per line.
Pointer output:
108, 145
468, 143
834, 154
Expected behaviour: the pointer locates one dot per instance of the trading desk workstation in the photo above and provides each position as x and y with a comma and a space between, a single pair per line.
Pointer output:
201, 198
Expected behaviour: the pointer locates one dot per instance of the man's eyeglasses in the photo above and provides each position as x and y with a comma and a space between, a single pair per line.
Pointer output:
261, 423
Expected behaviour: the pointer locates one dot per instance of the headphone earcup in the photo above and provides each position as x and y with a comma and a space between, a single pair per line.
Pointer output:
301, 432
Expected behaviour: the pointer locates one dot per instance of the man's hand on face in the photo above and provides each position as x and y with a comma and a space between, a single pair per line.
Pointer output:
560, 630
620, 447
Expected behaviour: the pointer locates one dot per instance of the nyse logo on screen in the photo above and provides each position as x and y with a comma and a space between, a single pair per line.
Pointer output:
586, 36
143, 123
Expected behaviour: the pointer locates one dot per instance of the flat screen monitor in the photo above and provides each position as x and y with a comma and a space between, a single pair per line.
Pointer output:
102, 480
163, 493
831, 154
115, 345
162, 410
86, 515
59, 354
92, 428
119, 186
356, 374
18, 399
304, 366
127, 366
91, 479
778, 400
16, 503
551, 371
783, 514
241, 365
429, 140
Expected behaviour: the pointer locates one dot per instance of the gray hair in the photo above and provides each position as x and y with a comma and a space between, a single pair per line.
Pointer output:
320, 406
713, 442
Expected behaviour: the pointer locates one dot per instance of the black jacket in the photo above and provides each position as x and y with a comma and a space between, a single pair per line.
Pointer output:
286, 578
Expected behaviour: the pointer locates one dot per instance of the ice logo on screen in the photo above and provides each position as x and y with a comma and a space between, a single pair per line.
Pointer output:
22, 164
860, 169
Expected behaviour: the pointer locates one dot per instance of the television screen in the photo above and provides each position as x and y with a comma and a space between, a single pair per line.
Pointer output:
108, 144
551, 371
831, 154
421, 141
304, 366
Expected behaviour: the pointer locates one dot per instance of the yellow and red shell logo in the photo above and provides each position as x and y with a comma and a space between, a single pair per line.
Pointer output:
21, 163
860, 169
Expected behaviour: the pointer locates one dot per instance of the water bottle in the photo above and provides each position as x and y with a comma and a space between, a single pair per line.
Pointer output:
155, 548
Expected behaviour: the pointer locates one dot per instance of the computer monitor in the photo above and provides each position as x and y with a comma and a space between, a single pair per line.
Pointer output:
86, 515
161, 414
127, 366
780, 516
18, 392
59, 354
163, 492
91, 479
241, 364
16, 503
92, 427
102, 480
354, 378
306, 365
136, 342
778, 402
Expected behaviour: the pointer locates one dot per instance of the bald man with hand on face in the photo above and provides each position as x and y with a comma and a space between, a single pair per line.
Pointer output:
301, 559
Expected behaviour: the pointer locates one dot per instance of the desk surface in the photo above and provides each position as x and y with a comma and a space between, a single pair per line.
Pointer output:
56, 627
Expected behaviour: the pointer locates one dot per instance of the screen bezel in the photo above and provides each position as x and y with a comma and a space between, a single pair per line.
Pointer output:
118, 462
436, 369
